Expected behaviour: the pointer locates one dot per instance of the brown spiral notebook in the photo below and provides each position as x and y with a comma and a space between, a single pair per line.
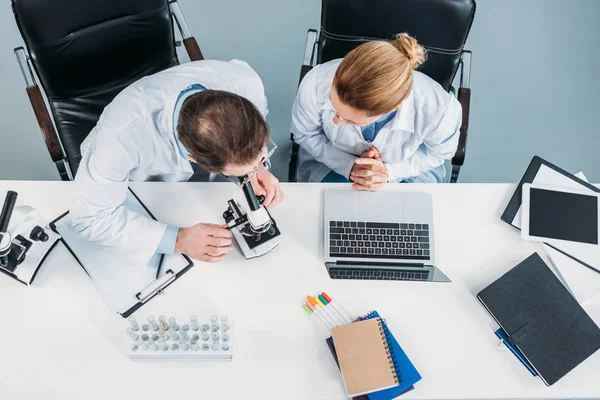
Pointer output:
364, 357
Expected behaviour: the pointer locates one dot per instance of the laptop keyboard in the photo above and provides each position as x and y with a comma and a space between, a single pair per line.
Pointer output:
377, 274
379, 240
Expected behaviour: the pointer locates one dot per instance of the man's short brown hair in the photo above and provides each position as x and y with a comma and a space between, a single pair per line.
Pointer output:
220, 128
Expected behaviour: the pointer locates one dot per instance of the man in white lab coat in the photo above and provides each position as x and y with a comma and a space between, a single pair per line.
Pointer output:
206, 117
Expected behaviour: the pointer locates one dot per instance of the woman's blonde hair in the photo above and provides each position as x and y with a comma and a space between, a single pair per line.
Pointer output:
376, 77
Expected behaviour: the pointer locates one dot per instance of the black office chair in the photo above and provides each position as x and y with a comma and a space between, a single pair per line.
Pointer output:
441, 26
84, 53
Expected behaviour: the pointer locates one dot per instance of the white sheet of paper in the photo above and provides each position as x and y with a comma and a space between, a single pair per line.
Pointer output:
117, 278
583, 283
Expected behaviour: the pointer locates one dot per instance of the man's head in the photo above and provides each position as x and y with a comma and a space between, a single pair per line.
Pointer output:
223, 132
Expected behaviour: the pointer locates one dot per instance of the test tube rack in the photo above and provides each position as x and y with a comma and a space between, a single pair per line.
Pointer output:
179, 338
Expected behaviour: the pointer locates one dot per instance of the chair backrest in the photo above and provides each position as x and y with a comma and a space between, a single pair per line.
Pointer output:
86, 52
442, 26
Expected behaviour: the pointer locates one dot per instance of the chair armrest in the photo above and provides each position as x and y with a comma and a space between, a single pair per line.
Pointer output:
193, 49
45, 123
191, 45
303, 71
464, 98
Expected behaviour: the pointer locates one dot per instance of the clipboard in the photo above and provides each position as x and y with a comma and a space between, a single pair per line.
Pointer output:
543, 172
125, 286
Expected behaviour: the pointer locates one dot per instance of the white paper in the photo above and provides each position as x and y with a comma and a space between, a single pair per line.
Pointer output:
583, 282
114, 274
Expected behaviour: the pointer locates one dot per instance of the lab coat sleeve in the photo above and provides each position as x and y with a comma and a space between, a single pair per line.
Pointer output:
438, 146
98, 213
307, 129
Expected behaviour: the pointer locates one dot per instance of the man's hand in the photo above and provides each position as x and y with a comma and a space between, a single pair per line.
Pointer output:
264, 183
369, 171
206, 242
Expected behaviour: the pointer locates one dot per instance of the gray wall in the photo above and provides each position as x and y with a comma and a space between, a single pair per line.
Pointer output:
534, 81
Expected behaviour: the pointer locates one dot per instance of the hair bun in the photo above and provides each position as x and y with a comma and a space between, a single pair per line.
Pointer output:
409, 46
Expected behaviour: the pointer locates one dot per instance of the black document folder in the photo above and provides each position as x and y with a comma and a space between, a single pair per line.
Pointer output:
542, 319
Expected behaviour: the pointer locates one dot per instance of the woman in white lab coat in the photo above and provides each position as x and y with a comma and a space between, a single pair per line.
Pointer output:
369, 118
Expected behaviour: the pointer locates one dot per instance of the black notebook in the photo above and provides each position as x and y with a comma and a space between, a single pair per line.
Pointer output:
542, 319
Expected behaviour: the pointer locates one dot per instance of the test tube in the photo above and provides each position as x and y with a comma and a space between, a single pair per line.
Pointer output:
153, 347
214, 319
195, 347
204, 328
205, 336
173, 323
216, 346
145, 337
163, 322
225, 338
145, 327
174, 347
214, 328
194, 322
224, 323
134, 323
174, 335
225, 346
150, 342
195, 337
205, 347
166, 336
155, 337
144, 346
131, 333
185, 335
134, 347
162, 344
152, 323
185, 327
215, 337
140, 342
185, 347
182, 340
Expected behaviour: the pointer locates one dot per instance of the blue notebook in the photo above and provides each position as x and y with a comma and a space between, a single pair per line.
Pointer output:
407, 373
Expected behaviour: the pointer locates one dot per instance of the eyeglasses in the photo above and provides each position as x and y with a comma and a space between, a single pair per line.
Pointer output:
263, 164
344, 121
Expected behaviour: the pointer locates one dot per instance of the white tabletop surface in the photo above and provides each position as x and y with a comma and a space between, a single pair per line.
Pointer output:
59, 340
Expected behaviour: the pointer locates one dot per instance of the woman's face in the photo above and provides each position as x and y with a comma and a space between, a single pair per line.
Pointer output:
347, 115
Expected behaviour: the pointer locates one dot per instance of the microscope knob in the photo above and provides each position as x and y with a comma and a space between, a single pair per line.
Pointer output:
38, 234
260, 198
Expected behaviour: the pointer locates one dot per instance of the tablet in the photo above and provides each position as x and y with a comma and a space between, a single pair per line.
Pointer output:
559, 215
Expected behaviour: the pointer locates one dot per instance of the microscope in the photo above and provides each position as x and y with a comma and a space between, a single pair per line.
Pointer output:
24, 244
5, 238
253, 228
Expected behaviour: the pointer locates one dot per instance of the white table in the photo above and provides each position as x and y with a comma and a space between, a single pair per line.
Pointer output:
60, 341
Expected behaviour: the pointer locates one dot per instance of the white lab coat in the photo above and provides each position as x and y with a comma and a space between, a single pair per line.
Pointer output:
134, 141
422, 135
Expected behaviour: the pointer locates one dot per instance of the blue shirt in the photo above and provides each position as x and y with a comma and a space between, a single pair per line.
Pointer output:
370, 131
167, 244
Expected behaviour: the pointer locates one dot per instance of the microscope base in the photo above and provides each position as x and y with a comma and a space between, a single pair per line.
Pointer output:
251, 247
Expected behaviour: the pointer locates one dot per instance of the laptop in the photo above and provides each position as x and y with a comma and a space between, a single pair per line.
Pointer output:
380, 236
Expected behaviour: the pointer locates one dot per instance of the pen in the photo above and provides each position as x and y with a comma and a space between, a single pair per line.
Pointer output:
316, 309
308, 310
326, 306
337, 308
